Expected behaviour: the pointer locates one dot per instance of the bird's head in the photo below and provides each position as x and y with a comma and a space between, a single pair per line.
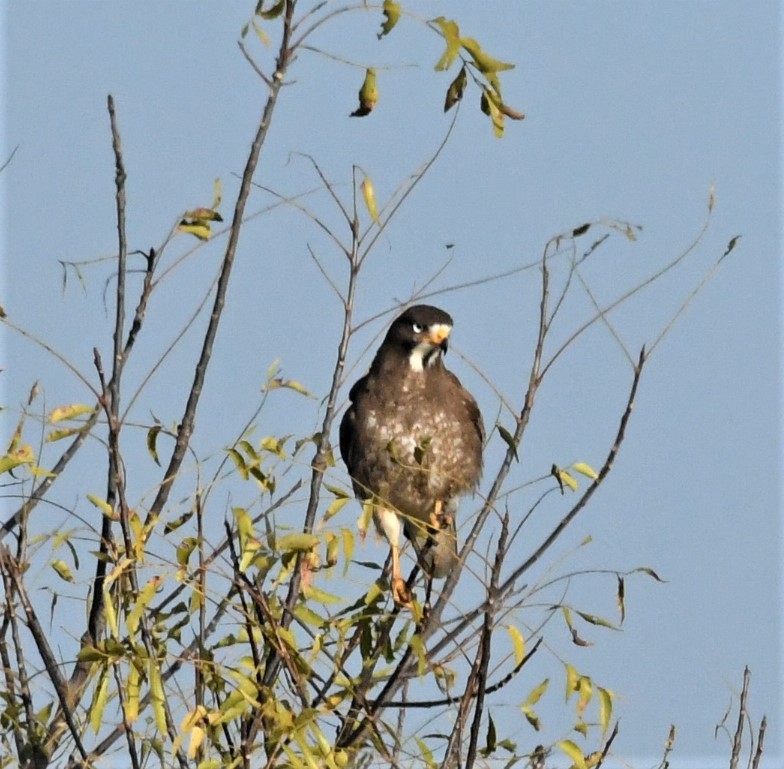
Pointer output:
422, 332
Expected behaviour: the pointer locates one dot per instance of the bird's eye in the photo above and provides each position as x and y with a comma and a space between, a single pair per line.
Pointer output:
417, 327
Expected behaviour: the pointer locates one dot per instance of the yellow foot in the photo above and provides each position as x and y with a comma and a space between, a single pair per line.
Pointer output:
439, 519
401, 593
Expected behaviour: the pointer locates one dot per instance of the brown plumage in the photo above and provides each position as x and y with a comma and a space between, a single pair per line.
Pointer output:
412, 441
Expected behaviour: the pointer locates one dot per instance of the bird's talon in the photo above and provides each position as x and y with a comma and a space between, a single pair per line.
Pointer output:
401, 593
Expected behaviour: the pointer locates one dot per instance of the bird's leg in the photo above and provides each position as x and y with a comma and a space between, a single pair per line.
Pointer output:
390, 523
439, 519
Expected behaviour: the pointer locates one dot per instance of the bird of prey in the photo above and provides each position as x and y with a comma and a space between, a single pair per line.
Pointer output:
412, 442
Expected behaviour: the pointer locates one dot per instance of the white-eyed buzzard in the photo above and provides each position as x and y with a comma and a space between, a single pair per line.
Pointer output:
412, 442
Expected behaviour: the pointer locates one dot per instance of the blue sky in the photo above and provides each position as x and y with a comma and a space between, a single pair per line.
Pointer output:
633, 111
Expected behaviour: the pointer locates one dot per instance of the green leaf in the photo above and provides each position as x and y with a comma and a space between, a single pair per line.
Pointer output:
152, 438
239, 463
508, 439
594, 620
451, 33
456, 89
620, 593
270, 13
492, 739
391, 10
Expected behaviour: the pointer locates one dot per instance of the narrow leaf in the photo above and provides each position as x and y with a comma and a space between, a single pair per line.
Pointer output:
152, 438
369, 195
620, 594
157, 697
99, 701
587, 470
535, 694
456, 89
574, 753
508, 439
368, 94
391, 11
605, 708
518, 643
69, 412
102, 505
451, 33
484, 62
63, 571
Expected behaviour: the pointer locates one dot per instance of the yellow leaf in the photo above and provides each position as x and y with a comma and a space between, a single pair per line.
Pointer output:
298, 542
485, 63
568, 480
145, 596
217, 194
535, 694
63, 571
418, 647
451, 33
197, 737
348, 547
132, 691
391, 10
369, 194
69, 412
585, 689
20, 456
157, 697
572, 680
518, 642
201, 230
335, 507
491, 105
585, 469
363, 522
66, 432
605, 708
574, 753
368, 94
102, 505
99, 701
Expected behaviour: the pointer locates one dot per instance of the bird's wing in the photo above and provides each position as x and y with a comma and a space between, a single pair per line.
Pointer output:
348, 428
471, 406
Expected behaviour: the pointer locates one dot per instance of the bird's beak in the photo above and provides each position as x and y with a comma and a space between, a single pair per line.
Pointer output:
439, 335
